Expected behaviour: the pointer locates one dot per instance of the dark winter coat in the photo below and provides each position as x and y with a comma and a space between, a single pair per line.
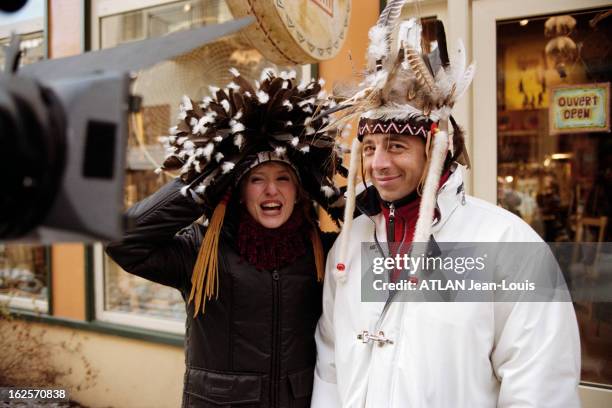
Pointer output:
254, 346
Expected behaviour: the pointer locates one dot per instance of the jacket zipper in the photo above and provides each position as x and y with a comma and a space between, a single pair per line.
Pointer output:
274, 375
391, 238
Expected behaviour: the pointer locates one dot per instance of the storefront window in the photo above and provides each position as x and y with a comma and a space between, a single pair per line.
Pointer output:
555, 150
24, 269
129, 299
32, 48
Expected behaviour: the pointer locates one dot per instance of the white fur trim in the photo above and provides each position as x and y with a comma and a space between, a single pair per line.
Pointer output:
349, 209
430, 189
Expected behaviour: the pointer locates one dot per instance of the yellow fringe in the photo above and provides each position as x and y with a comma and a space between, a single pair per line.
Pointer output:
317, 248
206, 267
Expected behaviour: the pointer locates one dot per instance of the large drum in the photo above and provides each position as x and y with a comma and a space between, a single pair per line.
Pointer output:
295, 32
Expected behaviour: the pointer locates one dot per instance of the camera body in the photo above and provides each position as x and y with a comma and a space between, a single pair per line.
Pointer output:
63, 137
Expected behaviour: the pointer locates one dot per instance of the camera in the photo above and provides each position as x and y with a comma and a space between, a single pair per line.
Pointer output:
63, 136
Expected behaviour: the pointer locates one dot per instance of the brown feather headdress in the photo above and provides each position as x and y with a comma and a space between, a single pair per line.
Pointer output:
219, 139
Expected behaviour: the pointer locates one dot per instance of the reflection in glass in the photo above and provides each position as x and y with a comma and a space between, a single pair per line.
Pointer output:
559, 182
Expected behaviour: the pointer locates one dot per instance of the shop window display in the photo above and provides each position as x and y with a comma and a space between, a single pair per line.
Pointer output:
555, 153
162, 88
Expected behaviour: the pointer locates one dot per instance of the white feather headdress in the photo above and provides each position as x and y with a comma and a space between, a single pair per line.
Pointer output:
406, 91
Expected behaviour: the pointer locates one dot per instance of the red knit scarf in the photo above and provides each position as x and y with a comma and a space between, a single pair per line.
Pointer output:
267, 248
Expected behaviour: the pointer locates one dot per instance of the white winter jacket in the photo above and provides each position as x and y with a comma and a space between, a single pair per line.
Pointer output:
446, 355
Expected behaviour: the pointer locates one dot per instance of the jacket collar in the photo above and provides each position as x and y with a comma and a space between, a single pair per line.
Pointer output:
449, 196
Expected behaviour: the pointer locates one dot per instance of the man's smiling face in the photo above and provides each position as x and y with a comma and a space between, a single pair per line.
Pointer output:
394, 163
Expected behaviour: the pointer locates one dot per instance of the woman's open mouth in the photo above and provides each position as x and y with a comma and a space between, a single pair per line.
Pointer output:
271, 207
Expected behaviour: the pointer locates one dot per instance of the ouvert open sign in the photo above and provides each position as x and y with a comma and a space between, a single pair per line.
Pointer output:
580, 108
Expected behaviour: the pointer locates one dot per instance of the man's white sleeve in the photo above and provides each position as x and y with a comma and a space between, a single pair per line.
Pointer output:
536, 356
325, 392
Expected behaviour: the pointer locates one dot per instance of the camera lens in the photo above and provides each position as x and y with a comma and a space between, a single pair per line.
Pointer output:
32, 143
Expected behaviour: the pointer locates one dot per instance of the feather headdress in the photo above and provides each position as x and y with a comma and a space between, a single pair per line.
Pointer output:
217, 140
408, 92
221, 138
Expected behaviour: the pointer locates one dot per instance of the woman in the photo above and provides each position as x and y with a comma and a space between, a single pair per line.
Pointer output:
251, 279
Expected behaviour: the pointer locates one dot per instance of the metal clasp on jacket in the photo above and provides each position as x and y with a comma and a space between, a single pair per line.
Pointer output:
379, 338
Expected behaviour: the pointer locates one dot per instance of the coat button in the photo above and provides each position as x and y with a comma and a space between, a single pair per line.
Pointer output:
275, 275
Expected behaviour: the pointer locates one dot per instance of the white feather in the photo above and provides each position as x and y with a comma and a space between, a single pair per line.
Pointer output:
378, 47
265, 72
208, 149
234, 72
225, 105
213, 89
173, 130
238, 115
239, 140
262, 97
200, 126
226, 167
327, 191
236, 126
465, 81
186, 103
200, 189
394, 111
219, 156
309, 101
233, 85
305, 149
295, 141
280, 151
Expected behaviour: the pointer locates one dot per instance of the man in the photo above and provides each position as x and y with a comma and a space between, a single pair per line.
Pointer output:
429, 354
